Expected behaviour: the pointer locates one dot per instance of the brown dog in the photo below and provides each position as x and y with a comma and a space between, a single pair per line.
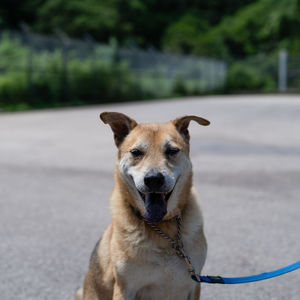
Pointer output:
153, 185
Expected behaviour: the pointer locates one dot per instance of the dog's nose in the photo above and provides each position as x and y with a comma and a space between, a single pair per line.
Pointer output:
154, 181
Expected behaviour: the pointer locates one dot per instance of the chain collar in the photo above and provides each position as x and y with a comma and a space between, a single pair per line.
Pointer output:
177, 244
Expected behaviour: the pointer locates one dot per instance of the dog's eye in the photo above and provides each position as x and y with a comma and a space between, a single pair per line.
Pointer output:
136, 152
172, 151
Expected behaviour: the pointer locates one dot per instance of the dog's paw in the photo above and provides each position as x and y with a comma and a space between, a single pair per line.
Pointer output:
79, 294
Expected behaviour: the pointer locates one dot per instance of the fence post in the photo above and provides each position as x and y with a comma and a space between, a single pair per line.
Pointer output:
282, 70
117, 68
91, 45
64, 80
29, 68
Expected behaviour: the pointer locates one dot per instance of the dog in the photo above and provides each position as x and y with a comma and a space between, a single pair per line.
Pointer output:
134, 259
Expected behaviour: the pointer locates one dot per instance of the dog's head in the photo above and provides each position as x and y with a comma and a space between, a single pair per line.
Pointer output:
153, 162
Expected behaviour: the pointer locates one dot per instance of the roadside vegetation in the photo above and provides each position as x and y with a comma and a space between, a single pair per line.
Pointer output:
246, 34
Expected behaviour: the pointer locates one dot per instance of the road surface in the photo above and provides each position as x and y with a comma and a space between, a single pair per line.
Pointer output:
56, 176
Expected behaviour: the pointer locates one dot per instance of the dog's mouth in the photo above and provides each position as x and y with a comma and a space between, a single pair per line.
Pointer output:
156, 205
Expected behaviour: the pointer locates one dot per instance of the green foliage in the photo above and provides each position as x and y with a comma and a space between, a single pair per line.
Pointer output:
12, 84
220, 28
181, 36
77, 17
180, 87
52, 79
257, 74
12, 54
225, 29
260, 27
48, 79
13, 90
143, 21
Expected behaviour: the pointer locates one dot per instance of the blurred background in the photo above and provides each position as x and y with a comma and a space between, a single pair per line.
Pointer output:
57, 53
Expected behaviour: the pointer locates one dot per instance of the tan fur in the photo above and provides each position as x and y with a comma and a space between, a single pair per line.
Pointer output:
131, 261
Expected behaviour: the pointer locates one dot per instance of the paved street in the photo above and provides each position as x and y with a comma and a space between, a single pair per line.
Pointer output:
56, 176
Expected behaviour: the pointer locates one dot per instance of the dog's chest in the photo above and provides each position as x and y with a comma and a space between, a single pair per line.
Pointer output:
166, 278
161, 274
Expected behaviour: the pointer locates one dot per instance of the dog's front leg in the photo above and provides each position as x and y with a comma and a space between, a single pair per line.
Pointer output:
197, 292
121, 294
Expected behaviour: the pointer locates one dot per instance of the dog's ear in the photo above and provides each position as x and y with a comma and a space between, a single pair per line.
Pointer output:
182, 124
120, 124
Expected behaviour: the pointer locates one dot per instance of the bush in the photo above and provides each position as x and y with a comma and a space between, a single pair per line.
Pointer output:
48, 79
13, 91
257, 74
40, 79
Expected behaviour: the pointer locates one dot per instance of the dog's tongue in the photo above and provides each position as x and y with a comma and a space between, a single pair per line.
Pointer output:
156, 206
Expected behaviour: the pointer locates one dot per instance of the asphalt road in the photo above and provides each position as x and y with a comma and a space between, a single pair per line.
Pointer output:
56, 175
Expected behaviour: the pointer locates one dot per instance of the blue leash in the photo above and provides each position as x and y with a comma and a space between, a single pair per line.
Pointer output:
179, 249
245, 279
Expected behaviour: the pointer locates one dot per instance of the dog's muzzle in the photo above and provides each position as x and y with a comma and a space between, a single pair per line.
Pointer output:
155, 205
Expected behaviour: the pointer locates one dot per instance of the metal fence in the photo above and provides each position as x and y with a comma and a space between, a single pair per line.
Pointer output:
155, 73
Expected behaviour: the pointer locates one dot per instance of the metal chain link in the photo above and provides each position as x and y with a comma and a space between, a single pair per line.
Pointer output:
177, 246
156, 229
